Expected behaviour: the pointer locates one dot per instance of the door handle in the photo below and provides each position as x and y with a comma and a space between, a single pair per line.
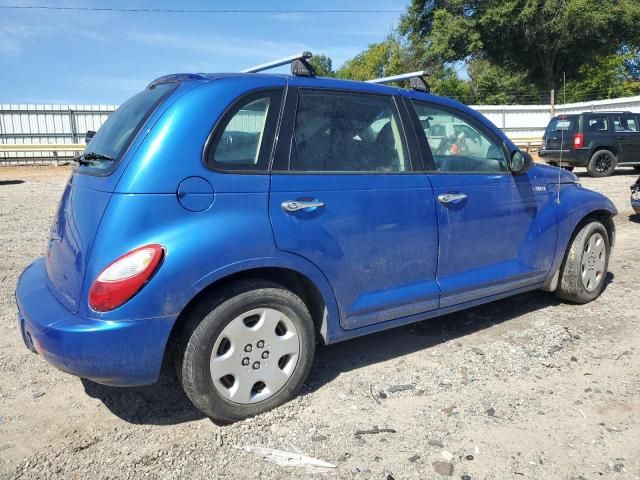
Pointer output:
295, 205
446, 198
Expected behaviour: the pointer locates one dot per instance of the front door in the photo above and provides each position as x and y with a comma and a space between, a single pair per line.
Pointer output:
496, 231
348, 200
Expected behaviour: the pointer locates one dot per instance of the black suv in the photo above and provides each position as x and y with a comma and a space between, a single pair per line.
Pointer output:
599, 141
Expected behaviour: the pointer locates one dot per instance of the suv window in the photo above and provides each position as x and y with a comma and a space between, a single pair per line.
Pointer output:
456, 144
558, 124
243, 140
598, 124
347, 132
624, 123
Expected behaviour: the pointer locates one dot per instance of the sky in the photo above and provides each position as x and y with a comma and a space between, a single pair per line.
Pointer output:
61, 57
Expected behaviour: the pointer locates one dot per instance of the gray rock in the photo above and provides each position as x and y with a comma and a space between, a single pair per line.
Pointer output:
401, 388
443, 468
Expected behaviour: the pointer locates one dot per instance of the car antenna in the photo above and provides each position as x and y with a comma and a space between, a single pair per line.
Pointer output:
299, 65
564, 101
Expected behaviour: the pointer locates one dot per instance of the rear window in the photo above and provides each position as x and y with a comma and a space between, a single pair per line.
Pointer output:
557, 124
117, 133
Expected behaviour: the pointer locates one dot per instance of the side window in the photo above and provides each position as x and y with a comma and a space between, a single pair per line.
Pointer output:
244, 138
598, 124
458, 145
347, 132
624, 123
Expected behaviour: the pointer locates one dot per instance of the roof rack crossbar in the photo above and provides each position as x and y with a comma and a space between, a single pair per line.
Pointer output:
397, 78
277, 63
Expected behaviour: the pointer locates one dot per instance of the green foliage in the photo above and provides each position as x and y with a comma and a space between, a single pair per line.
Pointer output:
382, 59
491, 84
605, 77
540, 38
323, 65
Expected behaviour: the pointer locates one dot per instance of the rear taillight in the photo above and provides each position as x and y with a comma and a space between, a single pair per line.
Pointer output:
123, 278
578, 140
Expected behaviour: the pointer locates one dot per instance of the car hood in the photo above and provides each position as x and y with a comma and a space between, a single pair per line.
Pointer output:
550, 174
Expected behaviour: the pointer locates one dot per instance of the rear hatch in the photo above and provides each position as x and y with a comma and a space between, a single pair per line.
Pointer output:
87, 194
559, 133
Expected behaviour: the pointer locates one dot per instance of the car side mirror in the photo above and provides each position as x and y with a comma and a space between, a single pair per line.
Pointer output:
520, 162
88, 136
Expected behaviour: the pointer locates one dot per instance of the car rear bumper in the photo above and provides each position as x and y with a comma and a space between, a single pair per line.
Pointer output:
119, 353
574, 158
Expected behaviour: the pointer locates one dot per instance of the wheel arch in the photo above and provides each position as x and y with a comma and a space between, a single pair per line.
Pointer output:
312, 288
596, 148
604, 216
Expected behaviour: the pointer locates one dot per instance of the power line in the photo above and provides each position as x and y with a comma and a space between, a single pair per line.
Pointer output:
182, 10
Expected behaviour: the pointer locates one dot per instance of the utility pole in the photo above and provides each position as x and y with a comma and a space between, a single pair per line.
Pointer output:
553, 103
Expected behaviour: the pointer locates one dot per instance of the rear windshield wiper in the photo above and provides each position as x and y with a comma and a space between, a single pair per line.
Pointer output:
86, 158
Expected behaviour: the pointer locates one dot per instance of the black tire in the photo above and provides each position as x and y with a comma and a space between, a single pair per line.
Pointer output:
568, 168
602, 164
571, 286
636, 168
206, 323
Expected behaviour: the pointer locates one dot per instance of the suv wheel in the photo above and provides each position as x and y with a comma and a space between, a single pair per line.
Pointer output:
636, 168
249, 354
602, 164
584, 270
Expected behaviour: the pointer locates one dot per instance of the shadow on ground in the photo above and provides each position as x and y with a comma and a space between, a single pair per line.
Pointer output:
10, 182
164, 403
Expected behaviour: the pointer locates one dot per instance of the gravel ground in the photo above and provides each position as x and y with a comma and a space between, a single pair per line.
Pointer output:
526, 387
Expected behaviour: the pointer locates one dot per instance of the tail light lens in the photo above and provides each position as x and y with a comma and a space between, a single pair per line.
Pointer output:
123, 278
578, 140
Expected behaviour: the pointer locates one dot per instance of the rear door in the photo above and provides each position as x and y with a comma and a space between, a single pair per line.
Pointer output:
345, 194
496, 231
627, 133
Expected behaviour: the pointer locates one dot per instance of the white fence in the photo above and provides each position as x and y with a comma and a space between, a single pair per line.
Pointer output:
528, 121
64, 124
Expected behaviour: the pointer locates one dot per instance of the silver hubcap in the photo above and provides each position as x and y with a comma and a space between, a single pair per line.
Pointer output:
254, 356
593, 262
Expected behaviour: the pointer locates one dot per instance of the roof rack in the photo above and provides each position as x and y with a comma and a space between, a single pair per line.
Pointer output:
417, 80
299, 65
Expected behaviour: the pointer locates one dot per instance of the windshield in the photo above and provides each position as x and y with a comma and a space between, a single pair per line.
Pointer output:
117, 133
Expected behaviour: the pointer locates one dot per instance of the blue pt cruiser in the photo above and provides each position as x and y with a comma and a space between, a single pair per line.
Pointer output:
230, 222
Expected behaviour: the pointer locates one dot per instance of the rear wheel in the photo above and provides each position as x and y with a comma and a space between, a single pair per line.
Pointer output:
568, 168
602, 164
250, 353
636, 168
585, 265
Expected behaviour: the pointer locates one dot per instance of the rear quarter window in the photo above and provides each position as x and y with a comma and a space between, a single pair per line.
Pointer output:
598, 124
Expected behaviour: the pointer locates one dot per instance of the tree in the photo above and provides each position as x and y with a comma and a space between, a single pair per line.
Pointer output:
494, 85
605, 77
542, 39
323, 65
378, 60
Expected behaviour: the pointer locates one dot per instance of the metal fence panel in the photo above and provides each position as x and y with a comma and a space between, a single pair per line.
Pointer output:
67, 124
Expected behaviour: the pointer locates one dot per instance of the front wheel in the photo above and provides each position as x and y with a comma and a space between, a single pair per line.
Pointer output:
584, 269
602, 164
249, 354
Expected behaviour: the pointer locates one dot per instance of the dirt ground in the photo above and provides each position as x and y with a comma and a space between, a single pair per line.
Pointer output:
527, 387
